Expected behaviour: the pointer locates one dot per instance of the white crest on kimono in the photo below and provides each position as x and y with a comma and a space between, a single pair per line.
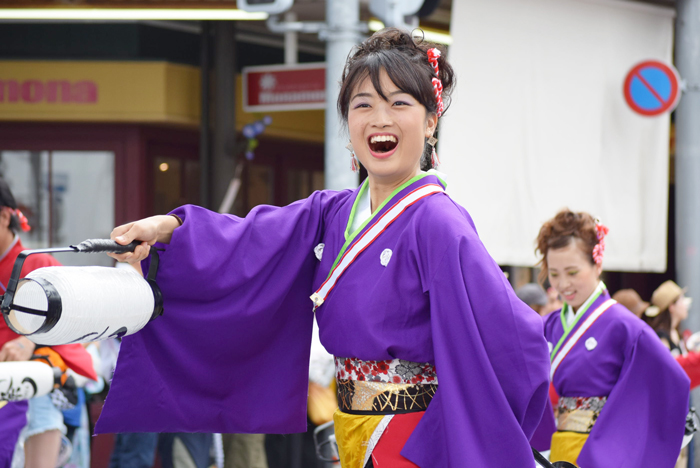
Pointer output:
318, 251
550, 346
385, 257
591, 343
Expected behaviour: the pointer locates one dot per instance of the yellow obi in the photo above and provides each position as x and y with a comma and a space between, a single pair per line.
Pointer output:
566, 446
356, 436
576, 417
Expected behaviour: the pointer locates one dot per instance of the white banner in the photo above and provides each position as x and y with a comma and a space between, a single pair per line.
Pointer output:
539, 123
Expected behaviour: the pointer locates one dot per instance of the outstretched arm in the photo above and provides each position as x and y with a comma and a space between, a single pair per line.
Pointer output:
149, 231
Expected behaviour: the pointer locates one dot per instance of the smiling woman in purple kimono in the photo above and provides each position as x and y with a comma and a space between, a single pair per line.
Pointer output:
622, 397
429, 338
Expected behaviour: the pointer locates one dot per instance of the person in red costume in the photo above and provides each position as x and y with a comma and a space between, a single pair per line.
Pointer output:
41, 448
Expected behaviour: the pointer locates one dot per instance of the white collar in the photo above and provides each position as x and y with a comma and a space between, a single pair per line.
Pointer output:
364, 210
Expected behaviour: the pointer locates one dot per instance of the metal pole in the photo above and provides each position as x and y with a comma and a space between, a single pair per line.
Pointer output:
687, 168
342, 18
291, 43
223, 161
204, 117
687, 173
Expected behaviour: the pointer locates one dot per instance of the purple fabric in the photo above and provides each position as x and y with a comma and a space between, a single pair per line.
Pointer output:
541, 440
13, 417
643, 420
231, 352
440, 299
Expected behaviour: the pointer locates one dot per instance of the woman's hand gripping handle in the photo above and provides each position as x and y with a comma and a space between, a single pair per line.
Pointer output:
149, 231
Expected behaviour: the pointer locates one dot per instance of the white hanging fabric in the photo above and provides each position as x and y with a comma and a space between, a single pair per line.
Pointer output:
539, 122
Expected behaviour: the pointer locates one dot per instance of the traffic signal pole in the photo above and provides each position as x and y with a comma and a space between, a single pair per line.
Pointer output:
687, 167
342, 33
342, 30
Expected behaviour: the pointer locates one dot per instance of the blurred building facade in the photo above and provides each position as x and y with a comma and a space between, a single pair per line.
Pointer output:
101, 123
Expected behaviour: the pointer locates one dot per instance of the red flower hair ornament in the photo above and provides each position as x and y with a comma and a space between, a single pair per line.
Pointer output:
433, 56
23, 222
601, 231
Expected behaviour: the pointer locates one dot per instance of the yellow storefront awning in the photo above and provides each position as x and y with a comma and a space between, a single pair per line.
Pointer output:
136, 92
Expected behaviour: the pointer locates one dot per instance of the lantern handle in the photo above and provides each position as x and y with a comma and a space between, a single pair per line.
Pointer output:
151, 280
104, 246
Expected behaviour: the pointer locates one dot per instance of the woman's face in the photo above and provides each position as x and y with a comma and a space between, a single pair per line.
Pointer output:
5, 220
572, 274
388, 136
679, 309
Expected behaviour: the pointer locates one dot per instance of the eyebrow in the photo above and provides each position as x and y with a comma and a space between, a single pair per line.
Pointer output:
361, 95
398, 91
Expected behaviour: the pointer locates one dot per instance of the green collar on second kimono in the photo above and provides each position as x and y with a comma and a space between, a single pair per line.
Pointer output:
350, 236
580, 313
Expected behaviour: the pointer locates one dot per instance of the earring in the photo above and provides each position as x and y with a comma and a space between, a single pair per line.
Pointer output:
434, 161
354, 164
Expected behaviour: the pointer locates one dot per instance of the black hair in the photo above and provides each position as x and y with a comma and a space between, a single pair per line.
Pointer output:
405, 61
8, 200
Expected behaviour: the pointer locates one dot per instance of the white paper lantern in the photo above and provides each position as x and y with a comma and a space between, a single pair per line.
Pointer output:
25, 379
61, 305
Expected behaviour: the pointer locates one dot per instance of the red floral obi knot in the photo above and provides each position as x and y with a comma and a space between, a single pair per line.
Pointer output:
395, 371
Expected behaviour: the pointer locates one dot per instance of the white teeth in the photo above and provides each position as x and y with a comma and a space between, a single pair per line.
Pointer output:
378, 138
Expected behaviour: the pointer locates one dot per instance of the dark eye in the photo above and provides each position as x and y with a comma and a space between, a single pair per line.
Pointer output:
362, 104
401, 103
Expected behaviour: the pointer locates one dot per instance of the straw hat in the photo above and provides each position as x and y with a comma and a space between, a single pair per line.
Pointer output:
664, 296
631, 300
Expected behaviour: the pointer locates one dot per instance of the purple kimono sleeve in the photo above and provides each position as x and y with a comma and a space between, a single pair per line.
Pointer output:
541, 440
643, 420
231, 352
492, 364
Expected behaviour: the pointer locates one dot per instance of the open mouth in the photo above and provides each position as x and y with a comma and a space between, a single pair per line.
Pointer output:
568, 295
382, 143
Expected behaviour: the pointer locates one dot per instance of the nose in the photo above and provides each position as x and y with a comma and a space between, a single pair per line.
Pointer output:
564, 283
382, 116
558, 283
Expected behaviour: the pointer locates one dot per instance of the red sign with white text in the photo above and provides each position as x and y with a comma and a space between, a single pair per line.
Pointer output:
284, 87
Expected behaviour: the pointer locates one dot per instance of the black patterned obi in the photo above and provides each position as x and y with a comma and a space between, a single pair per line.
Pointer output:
578, 414
384, 387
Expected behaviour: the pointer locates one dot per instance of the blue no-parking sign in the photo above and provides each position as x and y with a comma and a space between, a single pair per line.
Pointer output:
652, 88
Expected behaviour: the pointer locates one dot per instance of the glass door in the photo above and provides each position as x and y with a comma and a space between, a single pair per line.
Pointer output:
67, 196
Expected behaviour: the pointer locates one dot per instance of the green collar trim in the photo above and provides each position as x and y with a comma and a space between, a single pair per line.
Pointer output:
350, 236
581, 312
439, 175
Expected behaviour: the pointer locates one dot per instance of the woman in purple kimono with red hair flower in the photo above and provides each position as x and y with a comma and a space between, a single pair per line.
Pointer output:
438, 364
623, 399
